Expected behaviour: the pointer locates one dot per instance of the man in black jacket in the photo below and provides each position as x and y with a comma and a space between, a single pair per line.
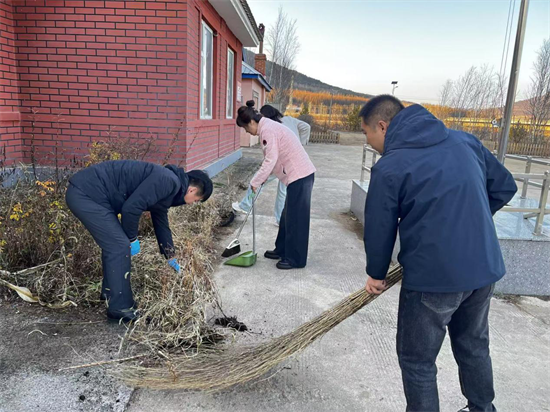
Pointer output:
98, 194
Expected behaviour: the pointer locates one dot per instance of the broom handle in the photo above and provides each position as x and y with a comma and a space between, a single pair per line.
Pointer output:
248, 214
254, 227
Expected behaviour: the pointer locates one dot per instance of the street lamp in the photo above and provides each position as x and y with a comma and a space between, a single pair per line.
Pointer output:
395, 86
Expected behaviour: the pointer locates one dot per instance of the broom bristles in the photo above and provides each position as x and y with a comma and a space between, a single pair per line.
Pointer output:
231, 251
220, 370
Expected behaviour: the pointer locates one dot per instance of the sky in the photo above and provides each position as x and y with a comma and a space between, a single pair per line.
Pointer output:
364, 45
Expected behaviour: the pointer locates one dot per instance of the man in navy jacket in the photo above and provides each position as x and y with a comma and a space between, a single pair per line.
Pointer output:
98, 194
440, 188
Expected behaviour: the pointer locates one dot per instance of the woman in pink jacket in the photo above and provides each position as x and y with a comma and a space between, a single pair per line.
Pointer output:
285, 157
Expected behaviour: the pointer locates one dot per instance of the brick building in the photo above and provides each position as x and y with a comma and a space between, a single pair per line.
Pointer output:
73, 72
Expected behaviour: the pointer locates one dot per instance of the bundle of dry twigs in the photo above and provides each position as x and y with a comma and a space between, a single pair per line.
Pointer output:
212, 371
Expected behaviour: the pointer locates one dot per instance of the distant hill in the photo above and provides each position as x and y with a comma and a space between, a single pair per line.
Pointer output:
303, 82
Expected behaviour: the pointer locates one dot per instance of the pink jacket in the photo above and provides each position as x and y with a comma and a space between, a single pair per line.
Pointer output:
284, 155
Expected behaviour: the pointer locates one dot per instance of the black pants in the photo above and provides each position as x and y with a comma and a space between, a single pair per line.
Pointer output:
293, 237
421, 325
104, 226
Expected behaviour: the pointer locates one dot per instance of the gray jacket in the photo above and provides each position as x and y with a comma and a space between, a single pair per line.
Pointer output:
298, 127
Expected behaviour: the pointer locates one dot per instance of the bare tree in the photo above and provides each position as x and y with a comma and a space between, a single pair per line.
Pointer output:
446, 93
462, 91
539, 92
478, 94
483, 91
499, 97
283, 47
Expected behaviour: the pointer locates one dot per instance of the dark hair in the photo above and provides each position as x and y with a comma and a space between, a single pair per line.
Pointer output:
383, 107
247, 113
203, 183
271, 113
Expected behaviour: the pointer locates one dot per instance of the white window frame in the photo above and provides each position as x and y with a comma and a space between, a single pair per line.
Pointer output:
203, 114
256, 98
230, 96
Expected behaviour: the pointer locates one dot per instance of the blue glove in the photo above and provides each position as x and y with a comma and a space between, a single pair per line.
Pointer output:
174, 264
135, 248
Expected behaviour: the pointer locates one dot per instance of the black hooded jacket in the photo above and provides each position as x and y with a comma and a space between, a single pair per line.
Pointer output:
130, 187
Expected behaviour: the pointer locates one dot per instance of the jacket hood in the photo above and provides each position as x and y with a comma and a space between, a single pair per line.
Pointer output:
414, 127
184, 179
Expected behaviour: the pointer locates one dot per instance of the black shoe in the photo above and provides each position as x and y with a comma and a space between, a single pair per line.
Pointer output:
271, 254
124, 315
284, 265
465, 409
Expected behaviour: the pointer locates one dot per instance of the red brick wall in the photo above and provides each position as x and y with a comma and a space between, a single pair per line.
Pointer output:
10, 139
126, 68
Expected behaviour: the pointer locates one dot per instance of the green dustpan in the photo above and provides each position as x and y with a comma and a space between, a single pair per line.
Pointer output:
247, 259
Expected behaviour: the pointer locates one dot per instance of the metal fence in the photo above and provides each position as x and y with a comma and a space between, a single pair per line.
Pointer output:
526, 149
324, 137
526, 178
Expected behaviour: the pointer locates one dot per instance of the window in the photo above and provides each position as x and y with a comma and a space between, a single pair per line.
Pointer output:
207, 68
256, 98
230, 82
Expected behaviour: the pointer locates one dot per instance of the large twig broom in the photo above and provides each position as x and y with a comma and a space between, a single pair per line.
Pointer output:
220, 370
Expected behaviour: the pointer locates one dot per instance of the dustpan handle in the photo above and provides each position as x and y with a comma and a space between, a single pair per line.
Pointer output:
254, 227
251, 209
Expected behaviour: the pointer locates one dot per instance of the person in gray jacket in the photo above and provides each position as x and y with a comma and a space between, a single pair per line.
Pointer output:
302, 130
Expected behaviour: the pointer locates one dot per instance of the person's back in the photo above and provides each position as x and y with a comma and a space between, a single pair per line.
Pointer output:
300, 128
292, 161
115, 181
439, 188
447, 235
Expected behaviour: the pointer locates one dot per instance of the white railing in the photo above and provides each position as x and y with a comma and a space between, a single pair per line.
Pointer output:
364, 168
526, 178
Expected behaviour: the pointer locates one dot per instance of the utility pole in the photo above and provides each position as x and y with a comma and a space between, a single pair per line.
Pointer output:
330, 111
395, 86
512, 86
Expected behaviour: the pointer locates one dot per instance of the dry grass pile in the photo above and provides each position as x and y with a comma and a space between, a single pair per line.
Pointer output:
217, 370
37, 229
174, 305
39, 232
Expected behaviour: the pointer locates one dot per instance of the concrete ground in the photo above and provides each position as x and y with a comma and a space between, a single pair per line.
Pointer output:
353, 368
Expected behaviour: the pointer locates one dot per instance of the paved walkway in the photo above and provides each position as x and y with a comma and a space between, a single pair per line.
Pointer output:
353, 368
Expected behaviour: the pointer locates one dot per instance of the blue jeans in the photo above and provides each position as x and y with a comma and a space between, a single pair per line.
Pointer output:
246, 202
421, 326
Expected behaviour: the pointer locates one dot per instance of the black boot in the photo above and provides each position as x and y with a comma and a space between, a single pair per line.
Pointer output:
284, 265
124, 315
271, 254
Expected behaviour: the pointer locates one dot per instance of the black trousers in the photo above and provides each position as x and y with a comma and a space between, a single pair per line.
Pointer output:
105, 228
293, 237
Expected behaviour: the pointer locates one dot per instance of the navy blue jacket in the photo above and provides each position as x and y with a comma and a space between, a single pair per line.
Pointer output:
130, 188
440, 187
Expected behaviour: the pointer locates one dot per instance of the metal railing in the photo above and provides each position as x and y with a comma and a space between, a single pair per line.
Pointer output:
526, 178
364, 168
529, 160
